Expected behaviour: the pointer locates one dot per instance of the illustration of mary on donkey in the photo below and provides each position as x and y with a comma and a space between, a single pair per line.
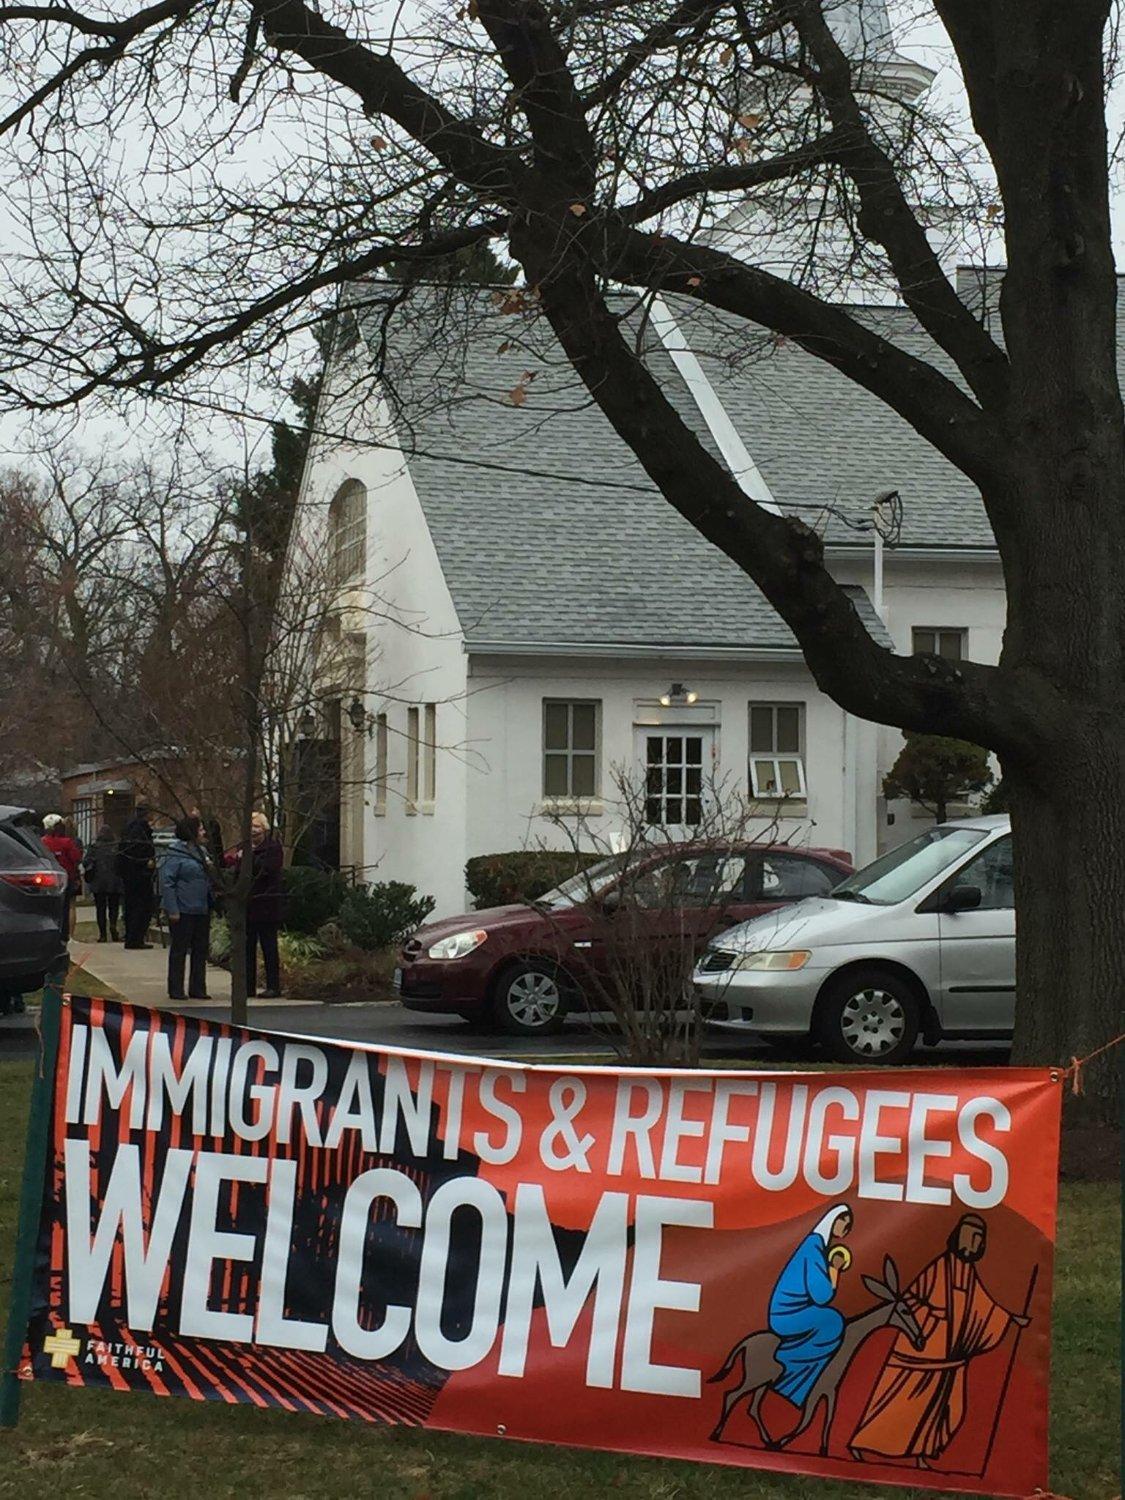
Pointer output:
810, 1330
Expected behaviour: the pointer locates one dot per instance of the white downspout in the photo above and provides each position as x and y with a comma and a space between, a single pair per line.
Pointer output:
877, 585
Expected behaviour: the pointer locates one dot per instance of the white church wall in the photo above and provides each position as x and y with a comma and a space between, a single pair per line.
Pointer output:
415, 657
944, 593
506, 804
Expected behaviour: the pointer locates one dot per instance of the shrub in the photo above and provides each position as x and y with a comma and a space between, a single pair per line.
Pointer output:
375, 916
331, 937
933, 772
312, 897
218, 947
522, 875
299, 947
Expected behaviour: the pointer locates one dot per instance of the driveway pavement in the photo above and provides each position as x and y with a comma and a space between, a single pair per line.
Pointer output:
141, 976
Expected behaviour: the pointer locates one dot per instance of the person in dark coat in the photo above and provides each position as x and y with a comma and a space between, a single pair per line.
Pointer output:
136, 863
264, 908
185, 895
103, 881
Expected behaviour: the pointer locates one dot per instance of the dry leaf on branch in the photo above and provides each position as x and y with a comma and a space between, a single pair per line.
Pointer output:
510, 302
518, 394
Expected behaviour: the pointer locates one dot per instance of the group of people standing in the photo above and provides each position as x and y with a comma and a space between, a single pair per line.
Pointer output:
187, 889
125, 879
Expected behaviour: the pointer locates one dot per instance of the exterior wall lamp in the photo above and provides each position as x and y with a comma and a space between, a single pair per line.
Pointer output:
357, 714
678, 694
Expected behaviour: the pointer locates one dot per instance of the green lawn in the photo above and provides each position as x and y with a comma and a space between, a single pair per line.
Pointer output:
96, 1443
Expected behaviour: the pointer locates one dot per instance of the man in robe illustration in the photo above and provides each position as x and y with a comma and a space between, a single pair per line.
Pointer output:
810, 1331
918, 1403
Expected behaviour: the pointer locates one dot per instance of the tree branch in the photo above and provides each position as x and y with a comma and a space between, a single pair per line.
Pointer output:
145, 370
732, 178
782, 556
689, 15
887, 218
933, 405
383, 88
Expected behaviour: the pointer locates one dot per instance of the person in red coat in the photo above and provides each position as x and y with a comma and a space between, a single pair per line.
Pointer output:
264, 908
68, 853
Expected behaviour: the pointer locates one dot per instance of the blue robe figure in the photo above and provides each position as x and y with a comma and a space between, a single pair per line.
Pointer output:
810, 1331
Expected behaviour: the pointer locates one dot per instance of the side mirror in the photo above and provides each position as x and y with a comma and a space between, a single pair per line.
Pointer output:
963, 898
611, 901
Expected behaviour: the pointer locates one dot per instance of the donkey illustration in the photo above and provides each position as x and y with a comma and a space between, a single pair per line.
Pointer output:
760, 1369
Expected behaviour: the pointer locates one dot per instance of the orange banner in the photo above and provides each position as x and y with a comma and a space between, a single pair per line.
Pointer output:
841, 1274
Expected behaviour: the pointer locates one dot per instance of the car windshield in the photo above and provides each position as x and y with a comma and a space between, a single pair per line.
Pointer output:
898, 875
579, 888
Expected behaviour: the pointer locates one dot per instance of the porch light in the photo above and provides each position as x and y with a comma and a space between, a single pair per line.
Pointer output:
357, 714
678, 694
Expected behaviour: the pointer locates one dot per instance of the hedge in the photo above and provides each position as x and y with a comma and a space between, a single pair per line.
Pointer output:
522, 875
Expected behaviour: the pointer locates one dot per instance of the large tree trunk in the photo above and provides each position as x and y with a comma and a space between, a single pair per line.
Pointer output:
1068, 821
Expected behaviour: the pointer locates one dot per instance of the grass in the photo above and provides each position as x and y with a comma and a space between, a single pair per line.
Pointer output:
98, 1443
79, 982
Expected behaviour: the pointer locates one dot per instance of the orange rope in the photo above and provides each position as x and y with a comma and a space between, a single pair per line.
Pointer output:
1074, 1072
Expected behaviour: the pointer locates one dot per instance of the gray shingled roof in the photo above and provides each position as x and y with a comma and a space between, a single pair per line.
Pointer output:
547, 528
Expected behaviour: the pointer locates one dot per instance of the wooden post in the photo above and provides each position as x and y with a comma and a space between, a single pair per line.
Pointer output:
31, 1201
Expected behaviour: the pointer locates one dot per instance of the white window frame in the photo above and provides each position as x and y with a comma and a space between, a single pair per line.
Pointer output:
937, 631
429, 755
379, 805
413, 746
774, 757
570, 795
347, 526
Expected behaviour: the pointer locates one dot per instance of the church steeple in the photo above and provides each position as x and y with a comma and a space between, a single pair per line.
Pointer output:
863, 30
790, 232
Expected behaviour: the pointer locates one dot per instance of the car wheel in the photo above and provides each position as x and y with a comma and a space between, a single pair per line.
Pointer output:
530, 999
870, 1016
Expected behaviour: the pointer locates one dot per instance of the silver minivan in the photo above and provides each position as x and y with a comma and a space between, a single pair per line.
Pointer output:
920, 943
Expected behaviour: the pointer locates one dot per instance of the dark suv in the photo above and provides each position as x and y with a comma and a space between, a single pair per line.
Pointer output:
31, 907
521, 968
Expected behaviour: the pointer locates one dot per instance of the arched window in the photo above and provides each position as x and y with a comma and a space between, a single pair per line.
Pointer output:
347, 527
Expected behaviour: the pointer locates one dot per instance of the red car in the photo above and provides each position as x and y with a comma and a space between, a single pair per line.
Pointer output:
521, 968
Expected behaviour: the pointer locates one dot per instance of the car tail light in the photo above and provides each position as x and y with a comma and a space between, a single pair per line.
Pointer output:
47, 881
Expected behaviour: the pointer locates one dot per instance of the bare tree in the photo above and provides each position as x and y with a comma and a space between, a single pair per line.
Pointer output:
649, 901
605, 145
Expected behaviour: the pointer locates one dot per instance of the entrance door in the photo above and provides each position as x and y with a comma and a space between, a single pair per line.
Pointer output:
678, 765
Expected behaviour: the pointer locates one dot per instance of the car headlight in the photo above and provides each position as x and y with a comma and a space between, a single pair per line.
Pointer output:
457, 945
796, 959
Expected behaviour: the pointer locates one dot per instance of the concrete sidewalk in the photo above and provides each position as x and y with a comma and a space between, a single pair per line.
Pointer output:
141, 975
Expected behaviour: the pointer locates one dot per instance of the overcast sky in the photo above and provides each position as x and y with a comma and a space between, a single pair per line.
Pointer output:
917, 33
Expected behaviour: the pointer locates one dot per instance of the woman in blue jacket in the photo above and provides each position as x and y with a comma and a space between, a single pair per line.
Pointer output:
185, 894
